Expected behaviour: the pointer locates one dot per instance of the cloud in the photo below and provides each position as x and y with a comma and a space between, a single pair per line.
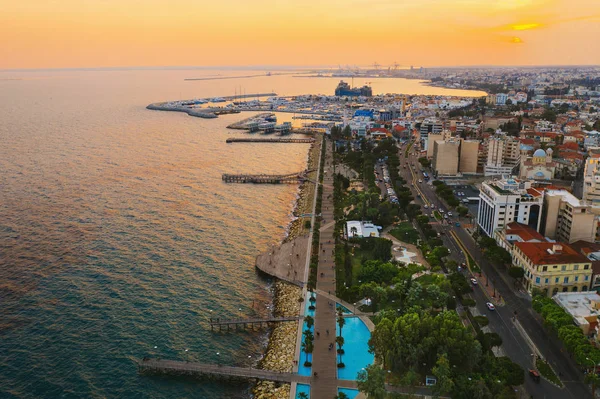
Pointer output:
516, 40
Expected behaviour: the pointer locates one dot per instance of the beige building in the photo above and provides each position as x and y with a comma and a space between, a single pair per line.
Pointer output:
552, 267
583, 307
591, 177
501, 153
445, 157
469, 150
566, 218
432, 138
539, 167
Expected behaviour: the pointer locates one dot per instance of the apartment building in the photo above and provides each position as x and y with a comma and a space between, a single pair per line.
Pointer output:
565, 218
591, 177
552, 267
508, 200
501, 154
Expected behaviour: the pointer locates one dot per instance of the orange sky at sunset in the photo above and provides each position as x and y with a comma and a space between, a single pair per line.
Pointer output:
102, 33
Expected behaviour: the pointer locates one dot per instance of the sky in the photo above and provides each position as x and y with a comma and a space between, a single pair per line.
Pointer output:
126, 33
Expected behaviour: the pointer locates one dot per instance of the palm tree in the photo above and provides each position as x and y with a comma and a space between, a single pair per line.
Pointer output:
302, 395
340, 320
310, 321
340, 341
308, 343
341, 395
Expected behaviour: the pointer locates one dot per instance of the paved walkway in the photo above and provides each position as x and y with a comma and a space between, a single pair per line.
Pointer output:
286, 261
325, 360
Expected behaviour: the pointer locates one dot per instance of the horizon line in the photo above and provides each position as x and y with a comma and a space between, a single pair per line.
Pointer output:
276, 67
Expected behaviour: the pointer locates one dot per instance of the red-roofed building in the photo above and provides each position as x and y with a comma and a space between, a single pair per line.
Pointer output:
516, 232
552, 267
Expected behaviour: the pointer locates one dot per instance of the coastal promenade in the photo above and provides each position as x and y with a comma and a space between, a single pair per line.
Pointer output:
325, 359
286, 261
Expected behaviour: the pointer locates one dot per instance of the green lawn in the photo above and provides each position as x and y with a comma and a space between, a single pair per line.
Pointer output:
405, 232
547, 372
437, 215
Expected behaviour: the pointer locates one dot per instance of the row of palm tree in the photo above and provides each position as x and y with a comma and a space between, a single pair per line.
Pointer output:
339, 339
308, 343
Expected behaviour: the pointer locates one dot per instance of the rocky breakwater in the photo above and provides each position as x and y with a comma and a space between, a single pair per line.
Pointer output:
198, 112
306, 193
282, 342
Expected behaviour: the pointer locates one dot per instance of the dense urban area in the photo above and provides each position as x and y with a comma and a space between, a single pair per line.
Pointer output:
469, 228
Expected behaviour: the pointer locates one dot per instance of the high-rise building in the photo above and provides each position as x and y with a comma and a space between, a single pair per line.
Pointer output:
445, 156
566, 218
469, 150
591, 177
508, 200
501, 155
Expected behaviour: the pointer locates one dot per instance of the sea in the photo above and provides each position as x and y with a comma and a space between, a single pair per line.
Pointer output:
118, 238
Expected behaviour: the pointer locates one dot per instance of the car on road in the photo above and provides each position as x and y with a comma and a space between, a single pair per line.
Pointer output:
457, 224
445, 216
441, 210
425, 206
473, 281
490, 306
420, 181
450, 214
535, 376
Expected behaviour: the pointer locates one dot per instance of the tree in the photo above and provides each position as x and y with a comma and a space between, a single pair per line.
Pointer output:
462, 211
308, 346
493, 339
339, 340
309, 321
303, 395
442, 372
371, 381
516, 272
340, 395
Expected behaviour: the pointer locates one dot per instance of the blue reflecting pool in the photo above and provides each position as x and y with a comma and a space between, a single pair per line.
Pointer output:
356, 338
306, 371
302, 388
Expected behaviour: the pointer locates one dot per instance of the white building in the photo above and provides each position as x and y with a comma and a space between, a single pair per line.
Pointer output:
591, 177
508, 200
357, 229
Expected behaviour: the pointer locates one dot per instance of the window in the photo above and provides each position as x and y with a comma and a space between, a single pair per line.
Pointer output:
554, 267
585, 267
556, 280
563, 268
546, 281
545, 268
576, 267
537, 280
565, 280
587, 278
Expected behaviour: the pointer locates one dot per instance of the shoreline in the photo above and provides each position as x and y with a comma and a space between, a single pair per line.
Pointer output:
281, 347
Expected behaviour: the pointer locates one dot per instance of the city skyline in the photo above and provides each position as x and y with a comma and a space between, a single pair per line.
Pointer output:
430, 33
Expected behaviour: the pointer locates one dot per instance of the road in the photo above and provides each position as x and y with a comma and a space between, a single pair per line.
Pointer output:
514, 343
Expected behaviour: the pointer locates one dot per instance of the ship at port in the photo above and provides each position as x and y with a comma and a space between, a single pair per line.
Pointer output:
344, 89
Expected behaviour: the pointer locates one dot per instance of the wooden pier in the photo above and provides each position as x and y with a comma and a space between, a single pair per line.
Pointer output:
266, 179
215, 371
269, 140
248, 323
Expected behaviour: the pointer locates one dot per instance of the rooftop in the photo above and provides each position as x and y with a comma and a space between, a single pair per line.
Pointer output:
525, 232
580, 305
549, 253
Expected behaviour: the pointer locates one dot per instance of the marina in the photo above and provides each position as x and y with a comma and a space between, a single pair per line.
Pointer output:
291, 178
267, 140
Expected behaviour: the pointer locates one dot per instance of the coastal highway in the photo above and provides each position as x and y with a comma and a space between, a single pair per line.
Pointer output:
514, 343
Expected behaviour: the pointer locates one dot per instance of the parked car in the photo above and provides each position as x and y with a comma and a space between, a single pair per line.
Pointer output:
490, 306
473, 281
450, 214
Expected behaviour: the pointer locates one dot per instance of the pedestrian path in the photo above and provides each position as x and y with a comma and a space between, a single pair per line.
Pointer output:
324, 385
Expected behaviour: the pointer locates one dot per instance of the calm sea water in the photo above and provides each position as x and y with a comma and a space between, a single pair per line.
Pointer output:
117, 236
